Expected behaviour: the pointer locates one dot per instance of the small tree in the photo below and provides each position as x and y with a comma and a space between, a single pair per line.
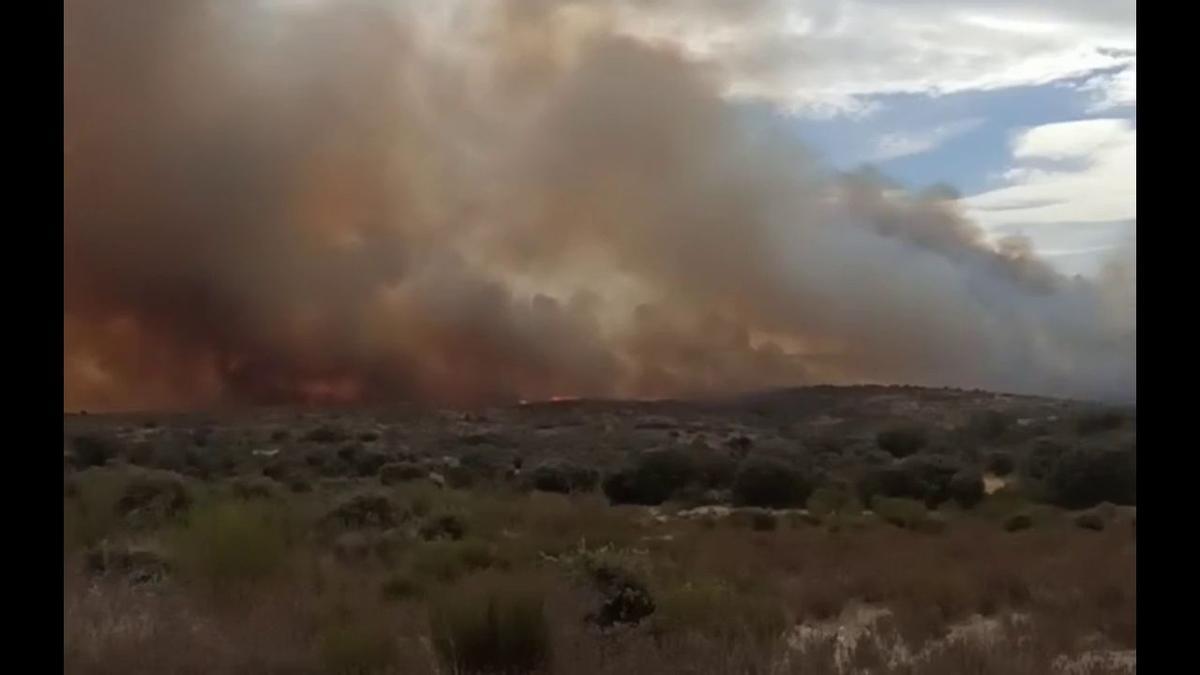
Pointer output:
1000, 463
771, 483
1083, 478
902, 441
94, 449
966, 488
652, 478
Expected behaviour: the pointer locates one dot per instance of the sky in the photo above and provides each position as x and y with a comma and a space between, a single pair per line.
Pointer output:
1026, 110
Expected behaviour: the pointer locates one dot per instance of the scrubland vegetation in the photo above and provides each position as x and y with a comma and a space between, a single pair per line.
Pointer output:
749, 537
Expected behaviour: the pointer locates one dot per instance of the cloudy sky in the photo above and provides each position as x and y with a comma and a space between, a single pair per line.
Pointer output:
1026, 109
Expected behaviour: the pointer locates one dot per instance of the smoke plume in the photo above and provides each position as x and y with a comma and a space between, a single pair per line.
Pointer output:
470, 201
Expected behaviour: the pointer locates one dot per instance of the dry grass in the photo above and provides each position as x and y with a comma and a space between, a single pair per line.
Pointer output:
254, 590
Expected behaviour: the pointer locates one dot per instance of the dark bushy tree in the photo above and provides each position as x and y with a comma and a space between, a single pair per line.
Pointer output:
966, 488
94, 449
922, 477
772, 483
1001, 463
902, 441
652, 478
563, 477
1083, 478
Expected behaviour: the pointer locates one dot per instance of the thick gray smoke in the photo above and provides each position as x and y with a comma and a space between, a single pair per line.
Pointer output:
460, 202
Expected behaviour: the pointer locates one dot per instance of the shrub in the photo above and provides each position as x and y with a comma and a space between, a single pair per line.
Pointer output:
94, 449
460, 477
486, 463
989, 425
280, 435
492, 626
651, 479
922, 477
400, 472
1083, 478
625, 599
364, 510
326, 434
1090, 520
906, 513
444, 526
368, 462
299, 484
715, 470
368, 436
277, 470
563, 477
349, 649
829, 500
230, 542
151, 497
1042, 458
1018, 522
902, 441
138, 564
770, 483
966, 488
1000, 463
448, 561
253, 487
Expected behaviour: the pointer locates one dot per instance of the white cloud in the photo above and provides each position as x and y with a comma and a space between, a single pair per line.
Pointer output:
905, 143
1072, 192
1080, 139
832, 55
1113, 90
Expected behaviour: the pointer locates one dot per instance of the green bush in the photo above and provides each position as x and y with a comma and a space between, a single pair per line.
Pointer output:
1018, 522
368, 462
230, 542
625, 598
989, 425
966, 488
326, 434
829, 500
486, 463
1082, 478
922, 477
909, 514
563, 477
254, 487
443, 526
772, 483
447, 561
1000, 463
652, 478
364, 510
401, 472
902, 441
493, 625
152, 497
1042, 457
94, 449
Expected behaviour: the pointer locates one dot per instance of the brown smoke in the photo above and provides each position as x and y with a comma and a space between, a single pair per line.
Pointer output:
325, 201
